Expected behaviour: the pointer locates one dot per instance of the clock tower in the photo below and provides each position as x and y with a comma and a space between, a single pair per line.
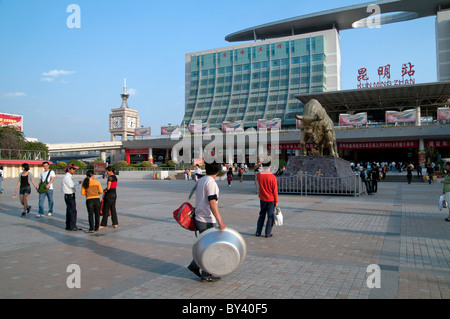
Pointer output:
123, 121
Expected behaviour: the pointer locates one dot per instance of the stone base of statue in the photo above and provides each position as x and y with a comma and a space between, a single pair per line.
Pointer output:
324, 175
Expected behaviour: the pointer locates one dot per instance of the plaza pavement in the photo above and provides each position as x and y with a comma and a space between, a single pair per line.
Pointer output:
322, 250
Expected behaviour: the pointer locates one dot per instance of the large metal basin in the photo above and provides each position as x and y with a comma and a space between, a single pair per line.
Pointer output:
219, 252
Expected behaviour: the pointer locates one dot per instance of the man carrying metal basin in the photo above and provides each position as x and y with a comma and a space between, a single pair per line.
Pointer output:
207, 211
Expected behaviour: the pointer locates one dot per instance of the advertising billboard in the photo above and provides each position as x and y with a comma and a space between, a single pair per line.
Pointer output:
12, 120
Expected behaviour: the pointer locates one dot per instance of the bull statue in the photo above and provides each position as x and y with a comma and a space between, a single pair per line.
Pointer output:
317, 127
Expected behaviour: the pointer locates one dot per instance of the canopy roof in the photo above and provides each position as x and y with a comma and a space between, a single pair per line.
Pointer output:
342, 18
384, 98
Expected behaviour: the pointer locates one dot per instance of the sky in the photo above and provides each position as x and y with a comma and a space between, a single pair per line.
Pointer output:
65, 78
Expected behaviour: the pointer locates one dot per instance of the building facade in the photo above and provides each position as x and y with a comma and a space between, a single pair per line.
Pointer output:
443, 45
259, 80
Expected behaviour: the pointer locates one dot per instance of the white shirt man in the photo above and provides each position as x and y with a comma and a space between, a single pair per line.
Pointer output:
49, 176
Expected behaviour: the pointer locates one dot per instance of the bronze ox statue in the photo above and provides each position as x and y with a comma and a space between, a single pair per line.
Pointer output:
317, 127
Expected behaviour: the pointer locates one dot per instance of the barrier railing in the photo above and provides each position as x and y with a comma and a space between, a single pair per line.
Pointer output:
24, 155
305, 184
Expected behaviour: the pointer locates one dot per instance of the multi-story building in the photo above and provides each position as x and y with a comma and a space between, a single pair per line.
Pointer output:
259, 80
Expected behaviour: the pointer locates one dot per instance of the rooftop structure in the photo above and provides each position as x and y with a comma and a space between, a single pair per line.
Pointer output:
344, 18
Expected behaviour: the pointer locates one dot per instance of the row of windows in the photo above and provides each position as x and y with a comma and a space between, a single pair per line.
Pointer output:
256, 76
259, 52
259, 65
316, 79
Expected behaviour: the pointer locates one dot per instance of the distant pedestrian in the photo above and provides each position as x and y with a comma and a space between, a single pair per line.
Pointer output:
197, 172
92, 189
446, 189
207, 213
375, 177
409, 170
419, 170
268, 199
241, 173
365, 177
24, 183
229, 175
430, 173
109, 200
47, 175
1, 178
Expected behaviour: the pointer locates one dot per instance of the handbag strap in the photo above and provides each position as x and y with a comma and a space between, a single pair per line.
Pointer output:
192, 191
48, 175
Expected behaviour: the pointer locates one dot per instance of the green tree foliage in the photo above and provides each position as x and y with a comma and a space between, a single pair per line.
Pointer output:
11, 139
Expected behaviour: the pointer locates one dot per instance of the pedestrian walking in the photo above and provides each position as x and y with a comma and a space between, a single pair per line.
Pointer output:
24, 183
229, 176
409, 170
375, 177
268, 199
430, 173
69, 188
365, 177
207, 213
47, 176
197, 173
1, 178
91, 188
446, 189
109, 200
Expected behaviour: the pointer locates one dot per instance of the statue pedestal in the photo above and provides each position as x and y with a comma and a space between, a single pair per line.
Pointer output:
322, 175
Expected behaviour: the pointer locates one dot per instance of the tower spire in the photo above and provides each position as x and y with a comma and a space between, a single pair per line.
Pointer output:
124, 95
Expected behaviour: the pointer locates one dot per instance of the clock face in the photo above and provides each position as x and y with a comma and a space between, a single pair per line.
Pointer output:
117, 122
131, 121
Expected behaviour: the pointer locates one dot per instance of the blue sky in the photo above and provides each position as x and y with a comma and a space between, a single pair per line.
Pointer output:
66, 81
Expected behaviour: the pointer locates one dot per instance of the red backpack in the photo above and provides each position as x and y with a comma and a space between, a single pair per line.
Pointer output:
185, 214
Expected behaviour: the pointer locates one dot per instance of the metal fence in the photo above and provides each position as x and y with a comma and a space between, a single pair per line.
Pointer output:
305, 184
23, 155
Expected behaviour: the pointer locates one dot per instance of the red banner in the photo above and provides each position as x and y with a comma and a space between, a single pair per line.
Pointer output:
16, 121
437, 143
374, 145
360, 145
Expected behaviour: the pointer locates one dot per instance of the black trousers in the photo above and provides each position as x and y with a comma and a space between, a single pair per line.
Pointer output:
93, 208
201, 227
71, 211
109, 204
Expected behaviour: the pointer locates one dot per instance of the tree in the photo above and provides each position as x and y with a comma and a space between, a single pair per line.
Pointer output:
11, 139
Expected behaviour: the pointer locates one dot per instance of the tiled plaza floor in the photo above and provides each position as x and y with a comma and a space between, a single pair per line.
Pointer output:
323, 250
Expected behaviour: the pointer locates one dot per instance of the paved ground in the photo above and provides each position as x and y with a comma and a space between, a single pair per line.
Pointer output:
322, 251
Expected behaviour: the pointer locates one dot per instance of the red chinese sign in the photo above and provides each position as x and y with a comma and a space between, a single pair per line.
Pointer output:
384, 74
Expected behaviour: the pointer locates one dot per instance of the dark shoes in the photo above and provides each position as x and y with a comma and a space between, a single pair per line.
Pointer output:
210, 278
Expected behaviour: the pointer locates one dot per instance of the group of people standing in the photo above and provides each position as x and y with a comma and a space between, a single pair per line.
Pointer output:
90, 188
370, 178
